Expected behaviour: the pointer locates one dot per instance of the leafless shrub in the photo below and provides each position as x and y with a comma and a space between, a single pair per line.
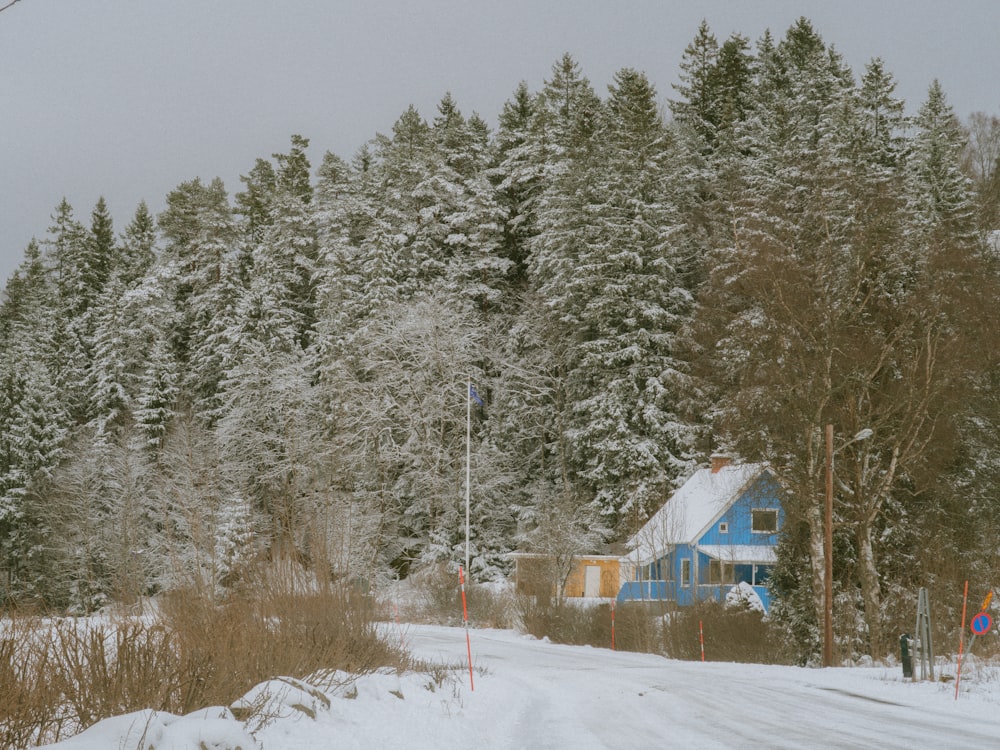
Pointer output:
226, 648
440, 600
104, 668
639, 626
735, 635
59, 676
28, 701
565, 622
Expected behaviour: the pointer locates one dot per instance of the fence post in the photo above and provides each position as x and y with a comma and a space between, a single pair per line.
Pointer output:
612, 624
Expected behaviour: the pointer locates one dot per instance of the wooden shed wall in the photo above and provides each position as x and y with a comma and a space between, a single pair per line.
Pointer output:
610, 577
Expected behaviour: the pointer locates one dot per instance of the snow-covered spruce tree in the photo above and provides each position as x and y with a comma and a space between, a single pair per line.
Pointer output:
199, 233
36, 433
138, 247
939, 193
67, 257
537, 134
235, 541
152, 368
157, 393
288, 251
698, 106
461, 212
85, 260
34, 421
715, 98
517, 175
104, 254
110, 401
269, 422
605, 263
356, 250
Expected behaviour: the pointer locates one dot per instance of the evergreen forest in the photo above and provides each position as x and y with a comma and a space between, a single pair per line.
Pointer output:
283, 371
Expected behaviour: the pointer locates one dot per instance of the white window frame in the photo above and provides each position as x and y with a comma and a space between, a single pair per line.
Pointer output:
686, 573
763, 510
721, 572
724, 527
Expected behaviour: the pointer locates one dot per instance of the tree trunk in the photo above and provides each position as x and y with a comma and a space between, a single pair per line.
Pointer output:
871, 590
816, 541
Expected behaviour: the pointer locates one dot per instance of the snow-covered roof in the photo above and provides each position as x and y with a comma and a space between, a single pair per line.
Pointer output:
690, 510
764, 554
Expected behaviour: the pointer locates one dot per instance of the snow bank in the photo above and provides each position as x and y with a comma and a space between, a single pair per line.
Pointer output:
742, 596
207, 729
533, 694
280, 698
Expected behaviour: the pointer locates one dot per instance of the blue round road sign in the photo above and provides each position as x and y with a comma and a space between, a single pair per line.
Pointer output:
981, 623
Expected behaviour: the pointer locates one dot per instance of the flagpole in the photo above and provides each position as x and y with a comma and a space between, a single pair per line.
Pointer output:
468, 465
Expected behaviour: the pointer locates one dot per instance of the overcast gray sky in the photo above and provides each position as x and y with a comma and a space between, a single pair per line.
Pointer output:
128, 98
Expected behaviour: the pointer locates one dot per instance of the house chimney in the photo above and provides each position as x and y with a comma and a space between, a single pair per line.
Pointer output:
720, 462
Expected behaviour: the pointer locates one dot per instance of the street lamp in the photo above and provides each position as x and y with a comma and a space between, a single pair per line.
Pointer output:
828, 543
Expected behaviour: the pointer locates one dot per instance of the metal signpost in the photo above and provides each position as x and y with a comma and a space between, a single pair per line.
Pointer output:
923, 644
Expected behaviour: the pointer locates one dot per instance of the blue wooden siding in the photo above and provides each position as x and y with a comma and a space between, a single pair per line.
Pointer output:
668, 591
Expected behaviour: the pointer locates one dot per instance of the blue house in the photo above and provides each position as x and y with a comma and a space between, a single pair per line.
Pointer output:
718, 531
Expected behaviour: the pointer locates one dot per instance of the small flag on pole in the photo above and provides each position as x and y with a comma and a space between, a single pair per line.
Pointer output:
474, 396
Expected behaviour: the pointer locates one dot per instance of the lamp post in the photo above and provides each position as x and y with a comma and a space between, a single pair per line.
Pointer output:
828, 543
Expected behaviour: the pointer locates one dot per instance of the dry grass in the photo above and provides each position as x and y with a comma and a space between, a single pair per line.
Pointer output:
61, 675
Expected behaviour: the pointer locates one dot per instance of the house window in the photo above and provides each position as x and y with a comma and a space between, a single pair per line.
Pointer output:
764, 520
685, 573
723, 528
721, 572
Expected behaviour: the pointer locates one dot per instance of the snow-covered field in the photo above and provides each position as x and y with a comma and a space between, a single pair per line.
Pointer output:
534, 694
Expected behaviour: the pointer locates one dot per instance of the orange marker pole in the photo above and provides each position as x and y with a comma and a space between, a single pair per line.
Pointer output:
701, 639
465, 616
961, 639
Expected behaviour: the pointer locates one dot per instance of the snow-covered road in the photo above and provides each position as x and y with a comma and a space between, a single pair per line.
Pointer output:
540, 695
534, 695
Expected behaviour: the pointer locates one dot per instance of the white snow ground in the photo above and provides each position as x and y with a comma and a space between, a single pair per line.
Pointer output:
535, 695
